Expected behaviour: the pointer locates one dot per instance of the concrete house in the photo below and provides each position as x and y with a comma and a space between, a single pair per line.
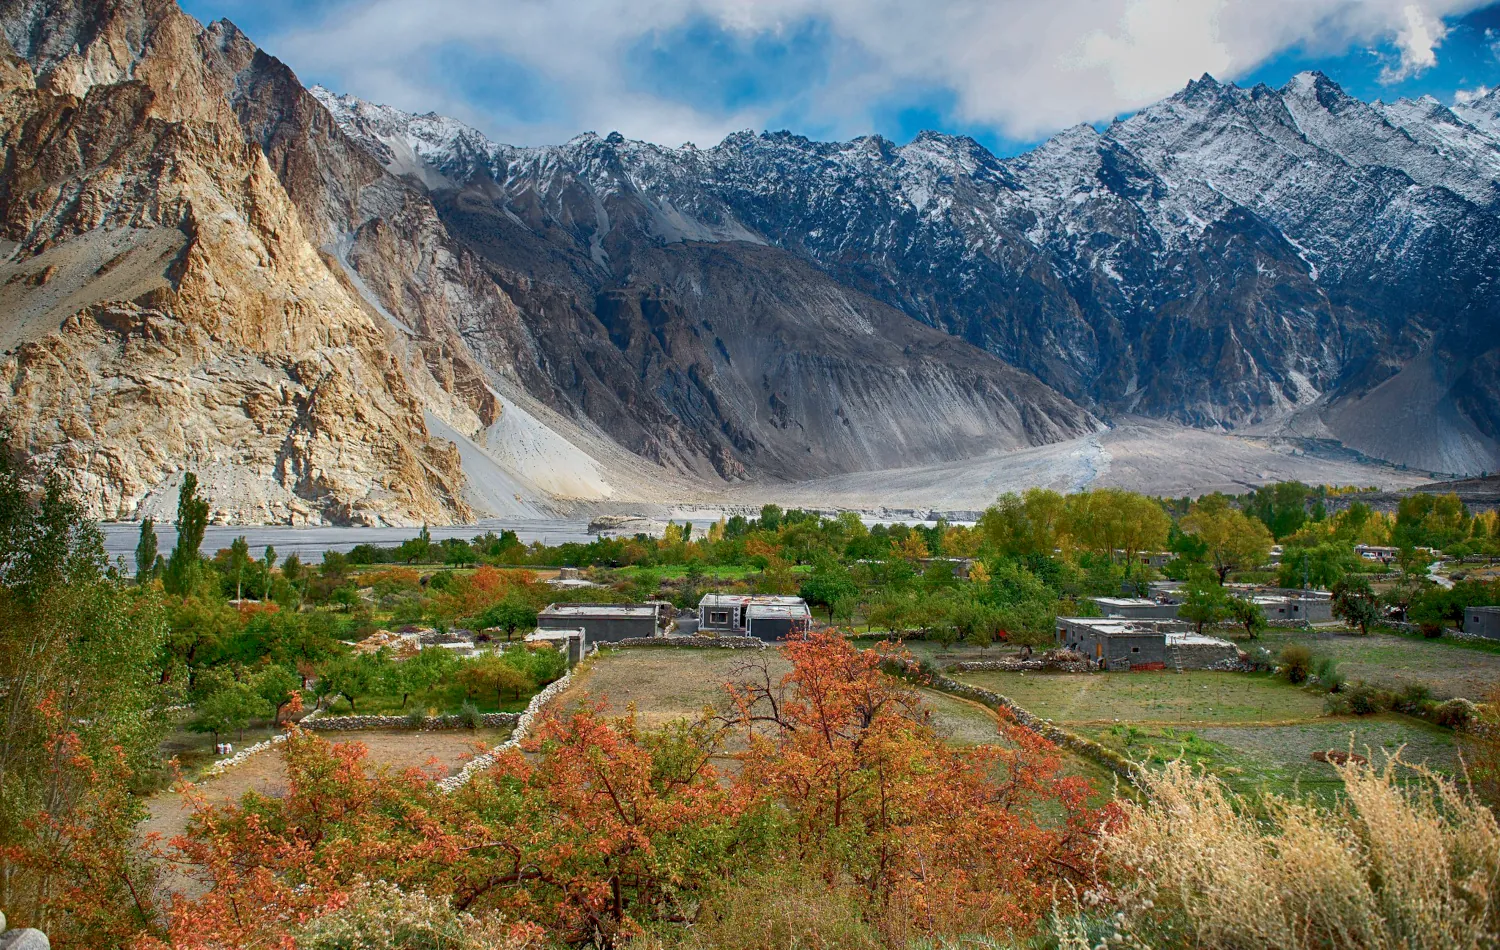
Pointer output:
573, 643
602, 623
1115, 643
1313, 606
1136, 607
1482, 622
764, 617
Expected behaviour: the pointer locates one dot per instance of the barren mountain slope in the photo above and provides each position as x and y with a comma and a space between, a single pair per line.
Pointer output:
231, 348
1228, 257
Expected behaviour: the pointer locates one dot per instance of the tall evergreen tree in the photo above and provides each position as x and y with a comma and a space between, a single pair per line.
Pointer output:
145, 552
192, 522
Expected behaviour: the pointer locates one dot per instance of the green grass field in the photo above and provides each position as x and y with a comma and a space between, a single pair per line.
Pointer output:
1253, 730
1165, 698
1446, 667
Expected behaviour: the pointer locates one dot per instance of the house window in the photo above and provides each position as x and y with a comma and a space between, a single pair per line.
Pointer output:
719, 618
1135, 649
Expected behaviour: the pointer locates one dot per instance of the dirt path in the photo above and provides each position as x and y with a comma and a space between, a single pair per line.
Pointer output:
168, 813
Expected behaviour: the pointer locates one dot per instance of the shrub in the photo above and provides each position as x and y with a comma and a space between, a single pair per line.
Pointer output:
1328, 674
785, 907
1365, 699
1431, 630
470, 716
380, 916
1295, 662
1413, 697
416, 718
1455, 713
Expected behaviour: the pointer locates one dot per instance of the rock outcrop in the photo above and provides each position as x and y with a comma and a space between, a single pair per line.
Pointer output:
168, 308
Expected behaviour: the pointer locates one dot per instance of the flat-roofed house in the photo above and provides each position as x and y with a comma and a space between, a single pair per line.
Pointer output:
1119, 643
603, 623
766, 618
1313, 606
1141, 607
1482, 622
573, 643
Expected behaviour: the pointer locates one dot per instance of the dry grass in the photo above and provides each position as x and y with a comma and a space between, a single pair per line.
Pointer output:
1406, 861
663, 683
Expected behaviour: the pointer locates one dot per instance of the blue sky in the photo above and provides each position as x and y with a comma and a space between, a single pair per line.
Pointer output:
1007, 72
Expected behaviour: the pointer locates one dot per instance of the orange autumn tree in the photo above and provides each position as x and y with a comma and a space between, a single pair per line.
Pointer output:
613, 828
609, 830
940, 840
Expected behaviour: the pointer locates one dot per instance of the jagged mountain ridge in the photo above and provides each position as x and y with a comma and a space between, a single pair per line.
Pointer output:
1293, 258
237, 287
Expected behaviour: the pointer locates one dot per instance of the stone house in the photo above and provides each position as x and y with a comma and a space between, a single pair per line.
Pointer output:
1482, 622
743, 615
1117, 643
603, 623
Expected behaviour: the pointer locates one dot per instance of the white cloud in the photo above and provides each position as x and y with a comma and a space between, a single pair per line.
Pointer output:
1416, 43
1465, 96
1022, 67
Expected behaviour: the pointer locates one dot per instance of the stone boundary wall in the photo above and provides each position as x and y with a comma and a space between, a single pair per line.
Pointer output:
429, 723
524, 723
689, 643
1288, 625
239, 758
1013, 665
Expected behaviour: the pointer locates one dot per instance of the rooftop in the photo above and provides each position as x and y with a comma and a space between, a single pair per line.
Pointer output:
746, 600
1196, 640
553, 635
1123, 627
1124, 602
772, 611
600, 610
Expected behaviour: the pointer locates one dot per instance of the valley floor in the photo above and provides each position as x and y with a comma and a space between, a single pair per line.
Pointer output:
1145, 456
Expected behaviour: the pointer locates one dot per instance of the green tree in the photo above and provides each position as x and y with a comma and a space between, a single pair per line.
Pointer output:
416, 549
1034, 523
1204, 602
1318, 566
352, 677
186, 562
145, 552
238, 563
78, 669
229, 708
1248, 614
510, 614
827, 585
277, 688
491, 673
1355, 603
1233, 540
770, 517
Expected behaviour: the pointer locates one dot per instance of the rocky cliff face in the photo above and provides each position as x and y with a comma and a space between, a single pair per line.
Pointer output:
1227, 258
168, 308
206, 272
